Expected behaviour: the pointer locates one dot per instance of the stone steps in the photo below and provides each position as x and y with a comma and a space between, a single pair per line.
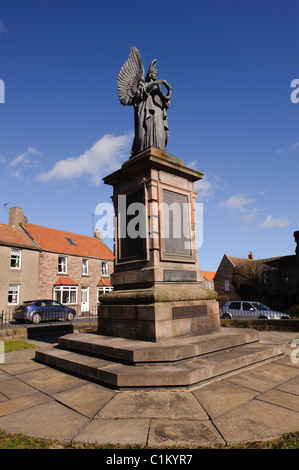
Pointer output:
86, 357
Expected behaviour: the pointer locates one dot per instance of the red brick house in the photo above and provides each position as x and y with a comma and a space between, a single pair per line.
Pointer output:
223, 277
280, 276
72, 269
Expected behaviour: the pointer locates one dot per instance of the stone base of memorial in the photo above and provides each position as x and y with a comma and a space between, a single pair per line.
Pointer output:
158, 292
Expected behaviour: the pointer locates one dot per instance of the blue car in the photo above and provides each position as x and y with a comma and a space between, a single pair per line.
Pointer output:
35, 311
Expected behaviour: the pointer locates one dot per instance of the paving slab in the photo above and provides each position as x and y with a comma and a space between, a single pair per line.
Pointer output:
255, 421
284, 399
14, 388
183, 433
51, 381
222, 396
50, 420
17, 357
265, 377
115, 431
152, 404
22, 403
87, 400
20, 368
2, 397
292, 386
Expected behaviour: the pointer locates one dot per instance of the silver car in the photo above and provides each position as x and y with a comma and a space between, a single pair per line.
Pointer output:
245, 309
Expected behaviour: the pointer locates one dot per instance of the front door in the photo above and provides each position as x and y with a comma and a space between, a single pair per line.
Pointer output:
85, 299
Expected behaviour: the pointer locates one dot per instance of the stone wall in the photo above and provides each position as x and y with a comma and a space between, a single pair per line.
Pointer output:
48, 275
26, 277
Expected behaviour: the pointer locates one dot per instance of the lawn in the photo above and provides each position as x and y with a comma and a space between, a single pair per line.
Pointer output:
10, 346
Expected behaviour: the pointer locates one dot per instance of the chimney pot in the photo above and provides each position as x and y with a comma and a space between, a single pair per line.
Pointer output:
250, 256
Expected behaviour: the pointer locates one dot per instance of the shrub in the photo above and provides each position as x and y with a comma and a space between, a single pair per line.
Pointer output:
294, 311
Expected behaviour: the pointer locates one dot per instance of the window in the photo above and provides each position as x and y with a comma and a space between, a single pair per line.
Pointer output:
71, 241
62, 264
15, 259
104, 290
84, 267
265, 277
226, 285
235, 305
104, 269
247, 306
285, 277
66, 294
13, 294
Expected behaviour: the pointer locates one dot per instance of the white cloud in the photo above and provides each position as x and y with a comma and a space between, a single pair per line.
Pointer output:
104, 156
270, 222
204, 190
292, 147
295, 146
236, 202
242, 207
25, 158
206, 187
28, 159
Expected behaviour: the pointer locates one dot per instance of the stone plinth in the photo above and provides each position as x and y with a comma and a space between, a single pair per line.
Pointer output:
158, 292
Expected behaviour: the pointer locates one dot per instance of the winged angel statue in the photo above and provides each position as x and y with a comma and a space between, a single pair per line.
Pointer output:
149, 101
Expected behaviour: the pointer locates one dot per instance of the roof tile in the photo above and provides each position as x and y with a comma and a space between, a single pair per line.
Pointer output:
50, 239
11, 235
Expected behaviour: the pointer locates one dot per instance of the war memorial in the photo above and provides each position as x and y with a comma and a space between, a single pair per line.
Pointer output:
159, 327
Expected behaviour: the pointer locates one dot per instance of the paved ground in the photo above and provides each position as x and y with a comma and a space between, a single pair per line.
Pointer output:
259, 403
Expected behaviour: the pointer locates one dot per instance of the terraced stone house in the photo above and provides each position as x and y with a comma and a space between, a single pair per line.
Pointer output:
43, 262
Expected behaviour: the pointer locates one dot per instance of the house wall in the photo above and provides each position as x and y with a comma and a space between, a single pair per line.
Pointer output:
48, 275
26, 277
224, 273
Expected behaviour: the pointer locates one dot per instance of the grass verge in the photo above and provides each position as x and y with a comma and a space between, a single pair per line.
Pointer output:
10, 346
21, 441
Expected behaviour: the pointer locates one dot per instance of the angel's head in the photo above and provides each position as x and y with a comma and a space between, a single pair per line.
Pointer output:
152, 72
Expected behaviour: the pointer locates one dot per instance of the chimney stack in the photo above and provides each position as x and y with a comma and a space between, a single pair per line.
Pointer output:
250, 256
98, 235
16, 216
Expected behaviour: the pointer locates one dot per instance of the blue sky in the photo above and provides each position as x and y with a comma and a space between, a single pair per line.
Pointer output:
230, 64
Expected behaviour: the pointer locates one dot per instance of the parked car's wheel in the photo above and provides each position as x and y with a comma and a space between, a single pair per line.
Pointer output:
226, 316
69, 316
36, 318
263, 317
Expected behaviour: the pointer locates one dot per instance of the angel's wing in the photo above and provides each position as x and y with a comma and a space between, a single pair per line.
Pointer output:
129, 77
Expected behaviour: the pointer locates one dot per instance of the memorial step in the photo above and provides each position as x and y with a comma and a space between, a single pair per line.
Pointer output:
181, 373
138, 352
